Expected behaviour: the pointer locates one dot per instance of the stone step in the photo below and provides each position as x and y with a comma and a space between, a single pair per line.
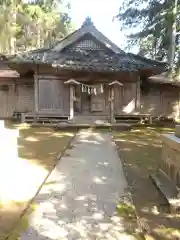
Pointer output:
90, 119
168, 189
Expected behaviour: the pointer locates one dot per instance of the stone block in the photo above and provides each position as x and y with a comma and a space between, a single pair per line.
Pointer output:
177, 131
168, 189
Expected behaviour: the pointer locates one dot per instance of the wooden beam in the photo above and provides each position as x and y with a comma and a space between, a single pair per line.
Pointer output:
47, 77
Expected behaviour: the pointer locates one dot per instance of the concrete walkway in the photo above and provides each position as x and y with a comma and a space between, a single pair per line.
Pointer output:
79, 198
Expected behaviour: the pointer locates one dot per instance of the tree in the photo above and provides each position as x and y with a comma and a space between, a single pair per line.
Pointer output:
157, 20
25, 26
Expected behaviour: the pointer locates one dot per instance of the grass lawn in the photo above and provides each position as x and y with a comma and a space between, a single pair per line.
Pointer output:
140, 151
22, 175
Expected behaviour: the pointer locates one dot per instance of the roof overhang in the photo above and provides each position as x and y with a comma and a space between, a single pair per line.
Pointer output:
164, 79
9, 74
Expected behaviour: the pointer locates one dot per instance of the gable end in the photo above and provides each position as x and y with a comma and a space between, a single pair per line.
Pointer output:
81, 33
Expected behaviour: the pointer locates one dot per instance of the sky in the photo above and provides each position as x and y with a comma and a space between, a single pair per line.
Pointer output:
101, 13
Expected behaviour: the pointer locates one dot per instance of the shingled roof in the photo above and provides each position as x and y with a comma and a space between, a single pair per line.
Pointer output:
86, 49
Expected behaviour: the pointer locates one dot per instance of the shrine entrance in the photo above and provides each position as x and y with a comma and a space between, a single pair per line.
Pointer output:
93, 100
85, 102
89, 100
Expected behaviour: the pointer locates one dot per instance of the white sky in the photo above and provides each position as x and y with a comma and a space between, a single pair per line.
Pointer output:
101, 13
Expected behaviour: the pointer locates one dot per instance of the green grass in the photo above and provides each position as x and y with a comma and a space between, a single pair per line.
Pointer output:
126, 210
140, 151
141, 147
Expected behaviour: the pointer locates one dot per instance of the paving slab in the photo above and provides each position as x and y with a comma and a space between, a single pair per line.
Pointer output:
78, 200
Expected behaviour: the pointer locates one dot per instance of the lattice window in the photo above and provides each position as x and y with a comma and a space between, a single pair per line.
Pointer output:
87, 44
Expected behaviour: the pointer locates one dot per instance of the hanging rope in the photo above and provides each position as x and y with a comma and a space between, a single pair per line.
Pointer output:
91, 89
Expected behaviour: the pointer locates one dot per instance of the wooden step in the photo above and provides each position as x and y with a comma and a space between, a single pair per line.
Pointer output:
43, 118
134, 117
168, 189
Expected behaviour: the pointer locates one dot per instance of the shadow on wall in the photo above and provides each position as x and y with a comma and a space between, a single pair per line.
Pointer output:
156, 105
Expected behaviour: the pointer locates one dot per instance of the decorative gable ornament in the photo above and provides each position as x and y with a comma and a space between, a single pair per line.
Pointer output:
87, 22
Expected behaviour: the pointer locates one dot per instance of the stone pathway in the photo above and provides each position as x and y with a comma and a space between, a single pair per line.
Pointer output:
78, 201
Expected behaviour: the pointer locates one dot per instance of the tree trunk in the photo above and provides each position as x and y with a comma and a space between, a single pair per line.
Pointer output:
38, 35
13, 23
172, 36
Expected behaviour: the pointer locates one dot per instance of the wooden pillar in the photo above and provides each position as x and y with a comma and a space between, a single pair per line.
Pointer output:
138, 94
161, 102
112, 104
36, 97
179, 105
71, 101
36, 90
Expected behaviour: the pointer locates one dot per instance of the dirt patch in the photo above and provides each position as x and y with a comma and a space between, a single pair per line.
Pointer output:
140, 151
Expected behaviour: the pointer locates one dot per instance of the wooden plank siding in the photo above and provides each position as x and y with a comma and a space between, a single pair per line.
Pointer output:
151, 102
25, 98
125, 98
53, 96
161, 101
19, 97
158, 101
7, 102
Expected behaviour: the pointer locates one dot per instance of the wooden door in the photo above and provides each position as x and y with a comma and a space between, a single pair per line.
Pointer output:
97, 103
85, 102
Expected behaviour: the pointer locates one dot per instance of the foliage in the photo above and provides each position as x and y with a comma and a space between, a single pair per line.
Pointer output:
29, 25
153, 22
